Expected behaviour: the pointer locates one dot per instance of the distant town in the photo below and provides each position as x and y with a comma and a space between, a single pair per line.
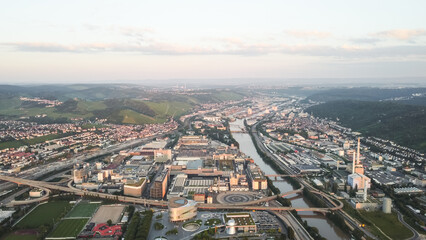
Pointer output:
261, 167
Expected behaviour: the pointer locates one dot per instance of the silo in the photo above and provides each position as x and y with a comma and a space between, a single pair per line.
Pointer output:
387, 205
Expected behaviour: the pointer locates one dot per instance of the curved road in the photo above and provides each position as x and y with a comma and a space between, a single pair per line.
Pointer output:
416, 235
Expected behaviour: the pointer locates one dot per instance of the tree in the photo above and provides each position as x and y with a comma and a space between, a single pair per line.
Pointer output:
335, 187
290, 232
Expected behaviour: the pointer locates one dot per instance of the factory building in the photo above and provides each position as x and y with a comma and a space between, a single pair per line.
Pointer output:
257, 178
159, 188
135, 188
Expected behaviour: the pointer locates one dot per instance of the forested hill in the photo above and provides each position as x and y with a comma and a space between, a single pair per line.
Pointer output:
412, 96
128, 104
403, 124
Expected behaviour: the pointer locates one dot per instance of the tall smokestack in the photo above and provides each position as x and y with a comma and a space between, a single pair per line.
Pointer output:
353, 162
357, 152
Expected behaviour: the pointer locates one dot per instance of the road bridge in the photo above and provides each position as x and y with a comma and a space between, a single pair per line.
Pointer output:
283, 175
160, 203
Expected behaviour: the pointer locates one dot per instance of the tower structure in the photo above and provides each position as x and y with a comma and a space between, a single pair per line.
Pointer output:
358, 165
353, 163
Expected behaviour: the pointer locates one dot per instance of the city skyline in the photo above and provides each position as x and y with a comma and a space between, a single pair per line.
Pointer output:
107, 41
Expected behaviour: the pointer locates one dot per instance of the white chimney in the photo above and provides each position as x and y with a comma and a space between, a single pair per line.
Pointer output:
353, 163
357, 152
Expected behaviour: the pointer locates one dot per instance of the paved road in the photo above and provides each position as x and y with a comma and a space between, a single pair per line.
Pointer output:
300, 232
416, 235
12, 197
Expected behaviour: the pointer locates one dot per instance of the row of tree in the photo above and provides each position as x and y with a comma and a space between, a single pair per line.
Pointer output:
139, 226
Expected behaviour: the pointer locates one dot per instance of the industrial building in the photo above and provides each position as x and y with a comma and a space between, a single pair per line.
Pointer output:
257, 178
135, 188
159, 187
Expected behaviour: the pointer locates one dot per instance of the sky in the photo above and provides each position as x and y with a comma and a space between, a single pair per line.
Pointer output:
53, 41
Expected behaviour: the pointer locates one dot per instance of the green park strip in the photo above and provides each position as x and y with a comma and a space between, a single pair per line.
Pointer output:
44, 214
388, 223
83, 210
68, 228
18, 236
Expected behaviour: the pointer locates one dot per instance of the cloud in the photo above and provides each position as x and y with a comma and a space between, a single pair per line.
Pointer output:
236, 48
308, 34
365, 40
133, 31
346, 51
401, 34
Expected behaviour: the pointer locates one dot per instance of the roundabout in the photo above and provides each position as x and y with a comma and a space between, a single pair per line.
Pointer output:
237, 197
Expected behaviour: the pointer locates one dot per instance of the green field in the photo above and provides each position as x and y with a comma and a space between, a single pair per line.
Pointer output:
68, 228
14, 236
168, 108
32, 141
132, 117
83, 210
47, 213
388, 223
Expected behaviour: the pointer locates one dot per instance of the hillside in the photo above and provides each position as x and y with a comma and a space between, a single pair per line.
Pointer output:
415, 96
118, 104
94, 92
404, 124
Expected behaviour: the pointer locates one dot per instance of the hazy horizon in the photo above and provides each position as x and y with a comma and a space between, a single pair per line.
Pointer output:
247, 82
109, 41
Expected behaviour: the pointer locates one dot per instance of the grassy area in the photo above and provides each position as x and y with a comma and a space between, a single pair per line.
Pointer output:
84, 210
68, 228
9, 103
132, 117
168, 108
32, 141
388, 223
90, 106
17, 236
212, 222
46, 213
361, 216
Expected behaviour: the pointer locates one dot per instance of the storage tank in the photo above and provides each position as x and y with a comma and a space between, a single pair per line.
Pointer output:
231, 227
387, 205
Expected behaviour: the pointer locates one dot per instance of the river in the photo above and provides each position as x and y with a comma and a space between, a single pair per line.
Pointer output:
326, 228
